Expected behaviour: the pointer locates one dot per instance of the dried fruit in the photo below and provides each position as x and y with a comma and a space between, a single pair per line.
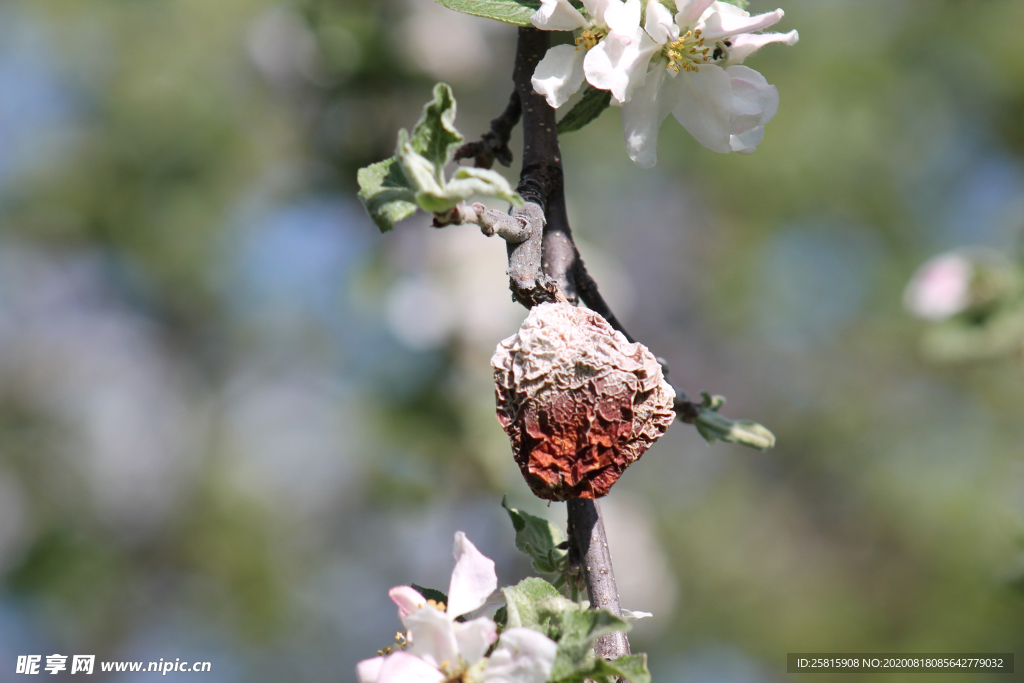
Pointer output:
578, 402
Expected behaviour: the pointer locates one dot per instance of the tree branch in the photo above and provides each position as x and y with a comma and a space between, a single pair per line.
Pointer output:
547, 223
586, 533
493, 145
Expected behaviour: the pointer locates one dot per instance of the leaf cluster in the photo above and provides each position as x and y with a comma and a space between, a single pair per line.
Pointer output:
392, 190
534, 603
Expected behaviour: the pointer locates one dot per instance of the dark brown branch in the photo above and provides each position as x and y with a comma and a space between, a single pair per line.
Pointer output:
541, 185
493, 145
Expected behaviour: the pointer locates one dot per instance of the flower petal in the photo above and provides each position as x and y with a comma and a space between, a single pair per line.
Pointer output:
659, 24
408, 600
402, 667
473, 579
730, 21
940, 288
559, 74
432, 636
523, 656
642, 115
747, 44
746, 143
622, 18
754, 100
689, 11
558, 15
705, 106
368, 670
620, 66
474, 637
630, 615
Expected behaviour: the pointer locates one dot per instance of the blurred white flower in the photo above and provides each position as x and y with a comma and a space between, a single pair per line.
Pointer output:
940, 288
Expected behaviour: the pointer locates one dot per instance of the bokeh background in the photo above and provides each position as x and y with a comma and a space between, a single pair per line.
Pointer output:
232, 414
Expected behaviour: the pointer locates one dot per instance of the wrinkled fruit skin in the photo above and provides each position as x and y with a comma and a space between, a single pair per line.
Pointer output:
579, 403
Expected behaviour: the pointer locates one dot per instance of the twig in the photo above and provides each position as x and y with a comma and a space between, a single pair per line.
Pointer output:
686, 410
586, 532
541, 186
493, 145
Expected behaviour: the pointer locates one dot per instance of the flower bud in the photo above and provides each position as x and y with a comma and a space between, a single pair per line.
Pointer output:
578, 401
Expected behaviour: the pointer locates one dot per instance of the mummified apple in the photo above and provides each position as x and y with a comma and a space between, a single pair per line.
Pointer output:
578, 401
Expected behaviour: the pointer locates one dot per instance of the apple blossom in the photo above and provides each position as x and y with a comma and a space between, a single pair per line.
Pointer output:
441, 648
697, 77
609, 43
940, 288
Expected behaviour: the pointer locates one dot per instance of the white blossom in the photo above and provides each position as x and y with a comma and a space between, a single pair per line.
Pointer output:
697, 77
439, 648
941, 287
610, 48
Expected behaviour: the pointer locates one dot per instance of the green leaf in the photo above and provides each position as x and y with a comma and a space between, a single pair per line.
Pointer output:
469, 181
521, 603
575, 631
435, 136
385, 193
631, 667
539, 539
714, 426
588, 108
431, 593
516, 12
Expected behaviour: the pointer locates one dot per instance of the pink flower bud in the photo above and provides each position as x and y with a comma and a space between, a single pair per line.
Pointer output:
578, 402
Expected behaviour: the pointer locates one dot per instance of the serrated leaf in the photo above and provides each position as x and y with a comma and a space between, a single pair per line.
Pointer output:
517, 12
385, 193
430, 593
434, 136
539, 539
469, 181
588, 108
521, 603
631, 667
575, 631
421, 173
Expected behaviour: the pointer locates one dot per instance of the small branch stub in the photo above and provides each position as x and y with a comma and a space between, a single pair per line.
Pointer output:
578, 401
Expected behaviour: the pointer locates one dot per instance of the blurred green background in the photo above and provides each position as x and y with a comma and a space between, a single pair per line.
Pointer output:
232, 415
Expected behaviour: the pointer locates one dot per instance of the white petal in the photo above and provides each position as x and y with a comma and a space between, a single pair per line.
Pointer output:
402, 667
724, 24
630, 615
618, 66
622, 18
659, 24
558, 15
523, 656
754, 100
368, 670
408, 600
940, 288
432, 636
473, 579
747, 44
746, 143
474, 637
559, 74
643, 114
705, 106
690, 11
